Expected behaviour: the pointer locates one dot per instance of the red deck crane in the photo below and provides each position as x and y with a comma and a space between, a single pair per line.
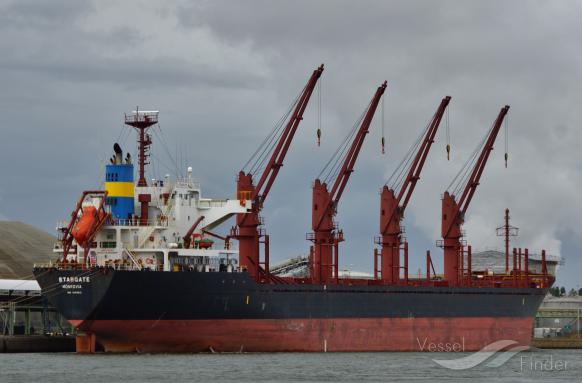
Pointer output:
325, 236
393, 205
453, 211
247, 231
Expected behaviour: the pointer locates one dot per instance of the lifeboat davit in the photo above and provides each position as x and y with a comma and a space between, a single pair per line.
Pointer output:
83, 227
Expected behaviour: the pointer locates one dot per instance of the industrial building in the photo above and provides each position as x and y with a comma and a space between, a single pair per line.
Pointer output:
494, 261
559, 317
23, 310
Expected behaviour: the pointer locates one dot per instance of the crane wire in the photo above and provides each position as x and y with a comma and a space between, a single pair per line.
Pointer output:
448, 134
506, 139
333, 166
401, 177
319, 112
398, 176
460, 181
382, 140
267, 146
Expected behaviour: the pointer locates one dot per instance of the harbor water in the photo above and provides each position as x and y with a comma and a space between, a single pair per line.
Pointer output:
539, 365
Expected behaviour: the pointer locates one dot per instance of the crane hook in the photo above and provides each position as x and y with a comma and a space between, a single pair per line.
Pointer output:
506, 141
383, 146
448, 152
318, 136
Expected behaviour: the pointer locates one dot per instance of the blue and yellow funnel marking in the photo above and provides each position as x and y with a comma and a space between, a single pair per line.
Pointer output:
120, 190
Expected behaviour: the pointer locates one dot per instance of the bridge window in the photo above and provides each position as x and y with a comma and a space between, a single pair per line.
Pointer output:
108, 245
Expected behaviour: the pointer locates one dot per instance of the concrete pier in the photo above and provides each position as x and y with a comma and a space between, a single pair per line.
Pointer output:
36, 343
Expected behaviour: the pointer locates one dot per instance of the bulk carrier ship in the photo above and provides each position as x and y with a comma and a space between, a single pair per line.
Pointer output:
141, 269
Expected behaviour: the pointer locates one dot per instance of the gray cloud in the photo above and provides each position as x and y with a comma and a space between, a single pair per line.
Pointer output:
223, 72
149, 73
42, 15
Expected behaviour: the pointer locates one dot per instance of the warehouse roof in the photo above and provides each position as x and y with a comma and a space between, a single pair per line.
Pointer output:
19, 285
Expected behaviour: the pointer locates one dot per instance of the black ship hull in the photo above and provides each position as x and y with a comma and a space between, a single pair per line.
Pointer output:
188, 312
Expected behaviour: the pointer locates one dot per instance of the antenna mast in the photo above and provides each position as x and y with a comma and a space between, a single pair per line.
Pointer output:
507, 231
141, 121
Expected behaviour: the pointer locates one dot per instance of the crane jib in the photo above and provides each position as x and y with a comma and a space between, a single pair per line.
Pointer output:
352, 155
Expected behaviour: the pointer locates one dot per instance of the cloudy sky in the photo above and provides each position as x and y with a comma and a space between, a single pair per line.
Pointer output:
222, 73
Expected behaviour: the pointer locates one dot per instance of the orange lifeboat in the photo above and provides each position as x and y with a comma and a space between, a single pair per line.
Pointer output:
83, 227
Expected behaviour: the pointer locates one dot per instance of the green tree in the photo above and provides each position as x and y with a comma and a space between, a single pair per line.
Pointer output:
572, 293
580, 292
562, 291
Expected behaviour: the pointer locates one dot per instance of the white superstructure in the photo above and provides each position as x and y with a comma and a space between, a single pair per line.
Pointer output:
159, 225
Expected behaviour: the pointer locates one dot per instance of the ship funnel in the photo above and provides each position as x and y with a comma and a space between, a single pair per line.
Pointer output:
118, 154
119, 185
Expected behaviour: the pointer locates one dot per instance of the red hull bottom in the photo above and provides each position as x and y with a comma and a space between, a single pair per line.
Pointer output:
307, 335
